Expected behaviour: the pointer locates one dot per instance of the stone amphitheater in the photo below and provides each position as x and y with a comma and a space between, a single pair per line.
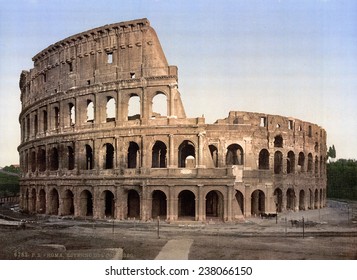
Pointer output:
85, 153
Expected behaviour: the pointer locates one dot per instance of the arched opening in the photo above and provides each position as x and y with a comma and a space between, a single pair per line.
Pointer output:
57, 117
111, 109
33, 201
133, 204
42, 201
41, 159
316, 166
302, 200
309, 163
159, 151
109, 204
301, 162
159, 204
134, 108
186, 204
316, 205
89, 158
264, 159
290, 199
234, 155
108, 156
33, 161
290, 163
86, 203
159, 105
185, 150
278, 162
214, 205
257, 203
214, 154
278, 141
240, 200
133, 155
278, 199
45, 121
90, 111
70, 156
71, 114
54, 159
54, 202
68, 203
311, 199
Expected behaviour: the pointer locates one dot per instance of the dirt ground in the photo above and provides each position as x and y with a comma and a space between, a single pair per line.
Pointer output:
328, 234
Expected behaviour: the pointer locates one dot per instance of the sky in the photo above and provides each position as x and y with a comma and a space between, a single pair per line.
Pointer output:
291, 58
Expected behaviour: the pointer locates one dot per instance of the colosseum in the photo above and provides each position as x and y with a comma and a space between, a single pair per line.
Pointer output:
84, 153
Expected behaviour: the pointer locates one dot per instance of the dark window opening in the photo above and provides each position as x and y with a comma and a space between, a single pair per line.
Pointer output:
278, 141
109, 204
133, 155
187, 154
133, 204
186, 204
159, 204
54, 159
41, 160
70, 66
33, 161
257, 202
89, 157
70, 152
88, 82
301, 162
278, 163
214, 204
264, 159
278, 199
290, 163
109, 156
86, 203
310, 131
159, 155
214, 154
309, 162
45, 121
57, 117
234, 155
290, 199
36, 124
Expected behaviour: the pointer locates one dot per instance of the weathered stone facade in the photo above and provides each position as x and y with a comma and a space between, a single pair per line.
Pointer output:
82, 154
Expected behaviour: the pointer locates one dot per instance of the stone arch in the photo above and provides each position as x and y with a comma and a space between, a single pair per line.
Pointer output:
234, 155
159, 152
33, 201
108, 156
134, 109
214, 204
68, 203
309, 163
89, 157
278, 198
54, 159
90, 111
133, 155
86, 203
290, 163
159, 204
264, 159
108, 204
316, 196
278, 162
257, 202
278, 141
133, 204
186, 204
159, 105
290, 199
214, 154
186, 149
111, 109
71, 114
316, 166
54, 202
302, 200
42, 201
301, 162
70, 158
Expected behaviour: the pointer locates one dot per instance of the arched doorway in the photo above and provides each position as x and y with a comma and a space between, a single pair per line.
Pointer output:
302, 200
133, 204
278, 198
133, 155
159, 155
186, 204
214, 205
186, 154
257, 202
86, 203
33, 201
316, 199
159, 205
42, 198
290, 199
109, 204
234, 155
54, 202
311, 199
68, 205
240, 200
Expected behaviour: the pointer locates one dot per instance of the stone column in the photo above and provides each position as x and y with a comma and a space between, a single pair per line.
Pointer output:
200, 204
171, 151
200, 150
228, 215
247, 201
173, 90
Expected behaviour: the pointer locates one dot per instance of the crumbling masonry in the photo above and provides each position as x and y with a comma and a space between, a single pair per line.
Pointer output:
83, 152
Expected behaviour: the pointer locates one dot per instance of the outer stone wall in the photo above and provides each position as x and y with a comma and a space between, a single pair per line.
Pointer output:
85, 153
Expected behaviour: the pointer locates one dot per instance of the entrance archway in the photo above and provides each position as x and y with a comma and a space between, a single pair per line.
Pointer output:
257, 202
54, 202
109, 204
278, 194
159, 204
42, 197
133, 204
186, 204
302, 200
68, 205
290, 199
214, 204
33, 201
86, 203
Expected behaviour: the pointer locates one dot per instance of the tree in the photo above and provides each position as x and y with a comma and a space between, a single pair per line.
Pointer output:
331, 153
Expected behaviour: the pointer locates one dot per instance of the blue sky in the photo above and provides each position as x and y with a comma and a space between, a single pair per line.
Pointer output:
291, 58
